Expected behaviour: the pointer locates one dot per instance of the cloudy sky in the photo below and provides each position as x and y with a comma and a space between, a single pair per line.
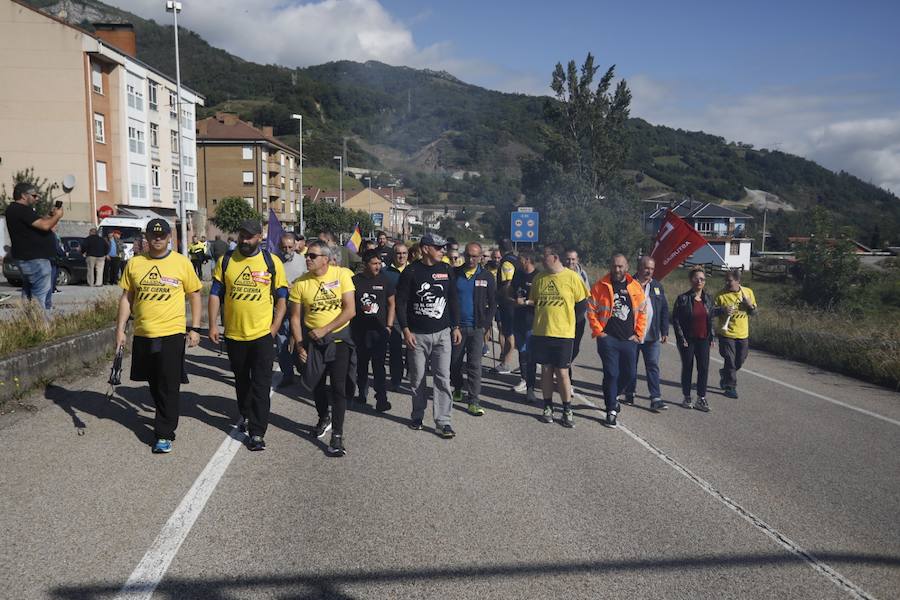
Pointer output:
816, 78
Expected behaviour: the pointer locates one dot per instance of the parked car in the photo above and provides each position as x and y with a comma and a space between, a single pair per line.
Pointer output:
72, 266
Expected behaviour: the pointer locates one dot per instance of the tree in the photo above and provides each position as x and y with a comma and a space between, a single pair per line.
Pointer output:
828, 268
231, 212
41, 184
322, 216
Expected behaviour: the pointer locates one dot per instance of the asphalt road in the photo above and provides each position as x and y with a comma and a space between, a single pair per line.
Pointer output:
783, 493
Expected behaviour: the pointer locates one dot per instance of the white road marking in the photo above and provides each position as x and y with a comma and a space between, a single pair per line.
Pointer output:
779, 538
796, 388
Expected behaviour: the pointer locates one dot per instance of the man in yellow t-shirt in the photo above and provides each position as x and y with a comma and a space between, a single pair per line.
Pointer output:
251, 284
558, 296
733, 329
154, 287
322, 304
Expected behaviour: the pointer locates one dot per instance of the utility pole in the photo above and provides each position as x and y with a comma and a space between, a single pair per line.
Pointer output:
302, 224
175, 8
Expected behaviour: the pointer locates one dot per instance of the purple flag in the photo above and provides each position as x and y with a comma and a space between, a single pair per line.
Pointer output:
273, 234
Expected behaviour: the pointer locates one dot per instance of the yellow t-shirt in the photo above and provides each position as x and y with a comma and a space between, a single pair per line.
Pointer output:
507, 270
555, 296
739, 325
159, 286
320, 297
445, 259
248, 302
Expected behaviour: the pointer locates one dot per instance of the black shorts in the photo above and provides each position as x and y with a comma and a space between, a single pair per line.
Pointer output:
505, 318
552, 351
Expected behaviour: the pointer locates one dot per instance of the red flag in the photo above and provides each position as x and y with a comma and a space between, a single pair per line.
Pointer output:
676, 241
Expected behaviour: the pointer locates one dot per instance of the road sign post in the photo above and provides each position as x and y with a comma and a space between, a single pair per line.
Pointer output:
524, 225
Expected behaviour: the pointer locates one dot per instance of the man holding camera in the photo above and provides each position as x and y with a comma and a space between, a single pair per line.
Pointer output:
33, 242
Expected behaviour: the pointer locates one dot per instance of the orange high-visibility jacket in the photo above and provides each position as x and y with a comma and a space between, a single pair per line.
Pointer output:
600, 305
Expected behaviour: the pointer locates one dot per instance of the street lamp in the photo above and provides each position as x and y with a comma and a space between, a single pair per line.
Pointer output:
302, 224
369, 178
174, 7
340, 160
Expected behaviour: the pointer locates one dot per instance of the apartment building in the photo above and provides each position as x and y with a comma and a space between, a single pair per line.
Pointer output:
80, 103
235, 158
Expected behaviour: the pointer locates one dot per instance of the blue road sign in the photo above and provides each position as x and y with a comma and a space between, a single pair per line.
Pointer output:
523, 225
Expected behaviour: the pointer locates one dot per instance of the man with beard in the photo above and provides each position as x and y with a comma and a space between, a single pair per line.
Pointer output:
250, 283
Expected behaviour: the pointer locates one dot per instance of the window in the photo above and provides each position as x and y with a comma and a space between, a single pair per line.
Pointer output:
188, 160
247, 153
734, 249
154, 176
291, 162
174, 139
249, 200
97, 78
265, 154
154, 135
173, 103
153, 94
704, 226
282, 182
292, 185
176, 180
248, 176
135, 88
187, 119
135, 140
99, 128
281, 158
101, 177
188, 190
137, 177
265, 178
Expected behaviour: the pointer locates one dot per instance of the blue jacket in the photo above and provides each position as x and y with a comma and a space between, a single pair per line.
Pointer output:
659, 323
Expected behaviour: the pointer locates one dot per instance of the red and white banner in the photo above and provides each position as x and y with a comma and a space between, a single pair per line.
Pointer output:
676, 240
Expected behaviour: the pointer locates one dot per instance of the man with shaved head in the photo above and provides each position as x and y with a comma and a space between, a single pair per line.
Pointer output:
656, 334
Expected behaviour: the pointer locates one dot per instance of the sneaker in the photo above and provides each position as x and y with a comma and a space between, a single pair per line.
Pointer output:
611, 420
529, 395
568, 419
521, 386
415, 424
686, 403
475, 409
629, 400
383, 406
547, 415
323, 427
457, 396
336, 445
503, 369
702, 405
657, 405
731, 393
162, 446
393, 387
244, 425
256, 443
446, 432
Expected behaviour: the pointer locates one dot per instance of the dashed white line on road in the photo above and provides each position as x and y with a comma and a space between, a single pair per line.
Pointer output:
810, 393
779, 538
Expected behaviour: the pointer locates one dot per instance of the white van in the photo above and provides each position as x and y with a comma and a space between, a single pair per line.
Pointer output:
130, 229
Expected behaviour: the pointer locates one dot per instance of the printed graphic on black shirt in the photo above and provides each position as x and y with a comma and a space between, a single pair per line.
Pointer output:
156, 288
245, 285
369, 304
432, 300
621, 321
621, 305
550, 296
326, 299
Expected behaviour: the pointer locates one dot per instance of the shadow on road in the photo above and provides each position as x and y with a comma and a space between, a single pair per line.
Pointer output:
328, 585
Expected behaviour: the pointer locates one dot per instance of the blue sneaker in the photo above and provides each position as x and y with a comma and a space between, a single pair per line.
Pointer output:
162, 446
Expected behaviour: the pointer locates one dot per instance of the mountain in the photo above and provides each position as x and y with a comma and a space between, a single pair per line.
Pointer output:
428, 124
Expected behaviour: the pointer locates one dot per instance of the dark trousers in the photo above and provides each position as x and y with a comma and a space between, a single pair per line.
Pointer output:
619, 358
398, 356
576, 345
470, 349
527, 366
696, 350
162, 364
198, 267
112, 270
336, 372
371, 346
251, 363
734, 353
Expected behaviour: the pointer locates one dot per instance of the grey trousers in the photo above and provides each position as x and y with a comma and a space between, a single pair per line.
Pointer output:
734, 353
470, 348
433, 349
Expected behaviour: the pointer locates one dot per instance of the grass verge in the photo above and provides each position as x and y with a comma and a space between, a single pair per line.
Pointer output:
27, 327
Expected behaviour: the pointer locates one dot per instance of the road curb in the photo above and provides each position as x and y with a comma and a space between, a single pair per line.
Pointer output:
25, 370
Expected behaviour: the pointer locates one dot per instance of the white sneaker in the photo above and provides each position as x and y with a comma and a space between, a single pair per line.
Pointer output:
530, 397
503, 369
521, 386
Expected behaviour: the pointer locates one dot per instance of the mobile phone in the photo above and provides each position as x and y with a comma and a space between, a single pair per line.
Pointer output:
58, 204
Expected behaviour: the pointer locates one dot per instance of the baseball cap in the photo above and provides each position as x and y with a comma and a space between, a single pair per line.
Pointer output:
432, 239
159, 226
251, 226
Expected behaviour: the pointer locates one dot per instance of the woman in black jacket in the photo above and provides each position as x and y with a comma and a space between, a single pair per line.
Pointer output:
692, 319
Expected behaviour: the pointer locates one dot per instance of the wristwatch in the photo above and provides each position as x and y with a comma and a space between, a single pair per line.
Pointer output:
192, 330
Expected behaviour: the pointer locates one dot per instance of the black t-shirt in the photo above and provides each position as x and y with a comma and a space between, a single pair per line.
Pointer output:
386, 254
371, 301
621, 321
28, 243
521, 287
426, 298
95, 246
